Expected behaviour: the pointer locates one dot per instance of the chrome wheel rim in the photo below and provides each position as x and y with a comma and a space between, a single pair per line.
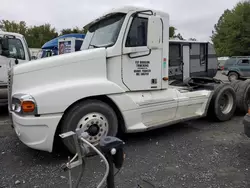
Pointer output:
96, 125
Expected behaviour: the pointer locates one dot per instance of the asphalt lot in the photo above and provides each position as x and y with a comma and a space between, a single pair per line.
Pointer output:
193, 154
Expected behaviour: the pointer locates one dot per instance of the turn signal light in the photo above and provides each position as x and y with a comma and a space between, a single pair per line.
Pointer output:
28, 106
165, 78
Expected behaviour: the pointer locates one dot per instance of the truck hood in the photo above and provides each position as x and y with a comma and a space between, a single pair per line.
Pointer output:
59, 60
4, 61
57, 82
62, 70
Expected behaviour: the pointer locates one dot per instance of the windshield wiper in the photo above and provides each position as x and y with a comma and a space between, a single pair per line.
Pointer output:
95, 46
102, 45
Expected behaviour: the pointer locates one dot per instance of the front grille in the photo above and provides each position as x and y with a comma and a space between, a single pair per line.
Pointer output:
10, 80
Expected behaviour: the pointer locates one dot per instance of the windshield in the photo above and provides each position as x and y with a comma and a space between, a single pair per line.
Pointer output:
105, 32
16, 49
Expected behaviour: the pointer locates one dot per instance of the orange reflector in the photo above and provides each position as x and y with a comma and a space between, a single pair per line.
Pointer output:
28, 106
165, 78
248, 111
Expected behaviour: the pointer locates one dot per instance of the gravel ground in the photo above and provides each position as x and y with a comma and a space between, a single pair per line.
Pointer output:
193, 154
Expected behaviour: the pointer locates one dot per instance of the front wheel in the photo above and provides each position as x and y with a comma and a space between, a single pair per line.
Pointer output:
95, 117
232, 76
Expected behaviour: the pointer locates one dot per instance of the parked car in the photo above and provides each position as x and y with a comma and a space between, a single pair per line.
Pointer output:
237, 68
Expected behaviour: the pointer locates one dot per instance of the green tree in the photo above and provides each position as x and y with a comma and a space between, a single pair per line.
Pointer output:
231, 35
172, 31
68, 31
12, 26
36, 36
85, 30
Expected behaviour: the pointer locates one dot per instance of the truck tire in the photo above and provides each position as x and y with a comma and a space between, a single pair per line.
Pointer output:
243, 96
232, 76
94, 116
223, 103
235, 84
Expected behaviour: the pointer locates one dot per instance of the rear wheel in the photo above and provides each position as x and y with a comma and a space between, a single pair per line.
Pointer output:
223, 103
232, 76
95, 117
235, 84
243, 96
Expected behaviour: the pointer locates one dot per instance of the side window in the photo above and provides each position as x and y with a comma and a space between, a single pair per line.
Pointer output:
244, 62
137, 35
0, 47
174, 55
203, 54
195, 49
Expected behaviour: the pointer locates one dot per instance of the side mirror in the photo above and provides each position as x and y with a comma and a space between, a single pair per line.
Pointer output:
154, 38
4, 46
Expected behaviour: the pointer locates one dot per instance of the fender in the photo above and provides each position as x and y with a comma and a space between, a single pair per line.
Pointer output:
234, 69
57, 97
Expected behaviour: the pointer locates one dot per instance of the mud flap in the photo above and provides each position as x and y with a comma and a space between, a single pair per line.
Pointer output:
246, 123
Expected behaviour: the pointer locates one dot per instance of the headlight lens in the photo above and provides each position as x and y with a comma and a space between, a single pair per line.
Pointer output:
23, 104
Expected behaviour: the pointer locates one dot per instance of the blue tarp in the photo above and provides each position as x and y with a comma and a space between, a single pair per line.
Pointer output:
52, 44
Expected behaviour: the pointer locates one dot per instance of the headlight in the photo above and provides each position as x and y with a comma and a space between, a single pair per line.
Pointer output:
23, 104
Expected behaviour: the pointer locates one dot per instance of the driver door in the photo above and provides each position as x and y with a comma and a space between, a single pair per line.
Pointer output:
141, 67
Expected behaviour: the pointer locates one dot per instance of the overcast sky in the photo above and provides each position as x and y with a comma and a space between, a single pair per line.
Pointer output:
192, 18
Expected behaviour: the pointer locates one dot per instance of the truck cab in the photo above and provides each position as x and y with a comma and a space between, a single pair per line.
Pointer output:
118, 82
17, 53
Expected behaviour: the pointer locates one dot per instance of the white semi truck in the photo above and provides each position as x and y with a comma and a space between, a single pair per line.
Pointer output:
16, 52
118, 82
